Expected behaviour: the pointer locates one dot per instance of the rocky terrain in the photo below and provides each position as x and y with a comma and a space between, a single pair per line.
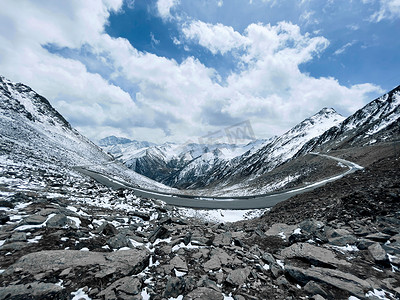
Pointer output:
65, 236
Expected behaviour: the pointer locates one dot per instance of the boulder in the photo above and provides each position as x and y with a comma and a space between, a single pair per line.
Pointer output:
338, 279
203, 293
123, 288
119, 241
223, 239
34, 220
315, 255
35, 290
378, 253
238, 277
175, 286
179, 264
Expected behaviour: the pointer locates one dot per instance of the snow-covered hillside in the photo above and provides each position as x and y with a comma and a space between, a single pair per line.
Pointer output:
33, 132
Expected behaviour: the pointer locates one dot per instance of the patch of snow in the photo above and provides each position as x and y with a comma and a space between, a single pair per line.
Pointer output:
347, 248
180, 297
80, 295
282, 235
182, 245
280, 262
297, 231
76, 220
144, 294
27, 227
35, 240
380, 294
179, 274
84, 249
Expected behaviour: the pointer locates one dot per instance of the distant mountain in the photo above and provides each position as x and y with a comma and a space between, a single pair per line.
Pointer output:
33, 132
378, 121
113, 140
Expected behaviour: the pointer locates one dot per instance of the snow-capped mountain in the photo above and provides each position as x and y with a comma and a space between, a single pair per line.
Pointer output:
33, 132
118, 146
378, 121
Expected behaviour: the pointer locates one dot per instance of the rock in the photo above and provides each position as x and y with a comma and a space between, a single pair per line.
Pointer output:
282, 281
280, 229
203, 293
378, 237
318, 297
123, 288
7, 204
34, 220
58, 221
267, 257
218, 258
238, 277
315, 255
160, 233
14, 246
343, 240
179, 264
363, 244
36, 290
119, 241
143, 216
106, 229
175, 286
223, 239
17, 237
332, 233
314, 288
4, 219
343, 281
120, 262
378, 253
276, 270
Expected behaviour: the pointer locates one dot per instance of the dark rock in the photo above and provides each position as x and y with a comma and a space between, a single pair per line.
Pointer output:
203, 293
143, 216
160, 233
187, 239
343, 281
267, 257
378, 237
4, 219
15, 246
314, 288
363, 244
179, 264
175, 286
17, 237
58, 221
282, 281
106, 229
5, 203
276, 270
343, 240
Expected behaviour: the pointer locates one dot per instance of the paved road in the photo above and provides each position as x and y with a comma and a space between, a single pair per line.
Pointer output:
247, 202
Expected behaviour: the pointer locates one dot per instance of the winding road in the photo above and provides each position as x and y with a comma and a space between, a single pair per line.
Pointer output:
242, 202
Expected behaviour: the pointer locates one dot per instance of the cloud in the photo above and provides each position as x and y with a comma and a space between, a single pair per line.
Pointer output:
145, 96
216, 38
388, 10
164, 8
343, 49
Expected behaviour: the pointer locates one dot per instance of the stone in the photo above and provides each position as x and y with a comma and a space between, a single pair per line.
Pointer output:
17, 237
119, 241
36, 290
222, 239
378, 253
14, 246
179, 264
106, 229
238, 277
282, 281
58, 221
218, 258
267, 257
314, 288
343, 281
378, 237
280, 229
5, 203
363, 244
160, 233
203, 293
120, 262
315, 255
175, 286
332, 233
276, 270
4, 219
125, 286
34, 220
343, 240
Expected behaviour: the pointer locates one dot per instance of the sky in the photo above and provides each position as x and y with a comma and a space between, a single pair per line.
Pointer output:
177, 70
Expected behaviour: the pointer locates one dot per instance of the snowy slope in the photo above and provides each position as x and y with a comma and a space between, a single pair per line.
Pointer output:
32, 131
378, 121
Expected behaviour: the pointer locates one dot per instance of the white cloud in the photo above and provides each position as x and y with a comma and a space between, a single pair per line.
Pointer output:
216, 38
343, 49
388, 10
184, 99
164, 8
220, 3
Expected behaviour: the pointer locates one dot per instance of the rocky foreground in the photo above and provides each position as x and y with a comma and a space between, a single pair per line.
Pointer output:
67, 237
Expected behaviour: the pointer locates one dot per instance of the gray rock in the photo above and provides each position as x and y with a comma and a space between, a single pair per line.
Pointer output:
315, 255
119, 241
343, 240
378, 253
223, 239
179, 264
276, 270
58, 221
126, 286
203, 293
344, 281
332, 233
38, 290
218, 258
106, 229
34, 220
280, 229
119, 262
378, 237
314, 288
318, 297
282, 281
17, 237
175, 286
267, 257
238, 277
14, 246
363, 244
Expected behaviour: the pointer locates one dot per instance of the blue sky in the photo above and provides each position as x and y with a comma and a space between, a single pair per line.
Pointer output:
174, 70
